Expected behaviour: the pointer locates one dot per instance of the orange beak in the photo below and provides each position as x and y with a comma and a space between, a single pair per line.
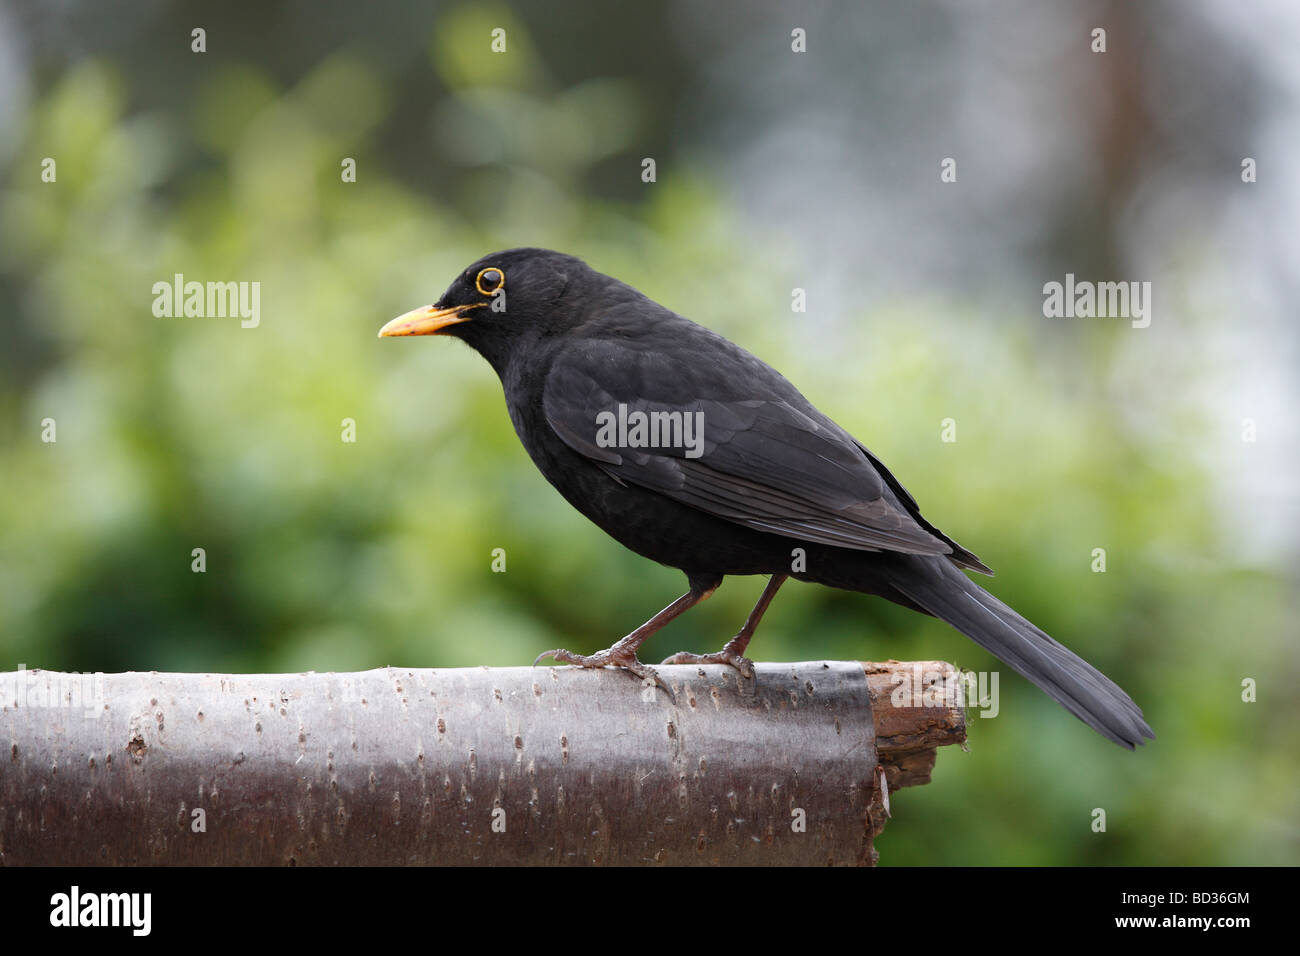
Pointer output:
428, 320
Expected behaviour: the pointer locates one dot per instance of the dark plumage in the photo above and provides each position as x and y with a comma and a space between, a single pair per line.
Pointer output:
769, 474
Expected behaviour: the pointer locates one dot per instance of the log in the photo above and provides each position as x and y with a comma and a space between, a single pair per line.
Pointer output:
918, 707
518, 765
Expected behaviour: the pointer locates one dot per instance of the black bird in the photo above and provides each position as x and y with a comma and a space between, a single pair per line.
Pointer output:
693, 453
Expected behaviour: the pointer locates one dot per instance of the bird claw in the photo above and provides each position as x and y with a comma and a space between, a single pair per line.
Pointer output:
610, 657
742, 664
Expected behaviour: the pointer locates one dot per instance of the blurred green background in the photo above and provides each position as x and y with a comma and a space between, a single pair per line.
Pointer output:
775, 170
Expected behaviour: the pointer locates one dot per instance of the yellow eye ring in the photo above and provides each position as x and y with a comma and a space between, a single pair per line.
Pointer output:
496, 287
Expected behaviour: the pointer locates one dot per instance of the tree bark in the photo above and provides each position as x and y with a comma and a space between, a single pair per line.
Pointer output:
519, 765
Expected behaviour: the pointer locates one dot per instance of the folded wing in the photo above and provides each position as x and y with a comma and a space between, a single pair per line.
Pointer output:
756, 453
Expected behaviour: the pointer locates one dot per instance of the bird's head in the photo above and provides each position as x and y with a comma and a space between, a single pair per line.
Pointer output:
502, 299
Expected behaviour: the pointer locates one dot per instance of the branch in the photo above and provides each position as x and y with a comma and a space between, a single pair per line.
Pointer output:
485, 766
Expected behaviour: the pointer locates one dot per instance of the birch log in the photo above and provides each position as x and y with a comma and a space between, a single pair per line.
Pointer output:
518, 765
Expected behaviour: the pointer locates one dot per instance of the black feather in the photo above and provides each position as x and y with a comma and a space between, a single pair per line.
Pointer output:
944, 591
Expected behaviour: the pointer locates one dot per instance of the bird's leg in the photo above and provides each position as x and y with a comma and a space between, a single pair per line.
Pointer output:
733, 650
623, 653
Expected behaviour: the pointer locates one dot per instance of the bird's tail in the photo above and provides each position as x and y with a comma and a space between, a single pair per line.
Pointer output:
940, 588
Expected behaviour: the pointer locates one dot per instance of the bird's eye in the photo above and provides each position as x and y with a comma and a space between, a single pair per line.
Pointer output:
490, 281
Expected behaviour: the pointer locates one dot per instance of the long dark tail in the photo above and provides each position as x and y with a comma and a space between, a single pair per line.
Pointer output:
944, 591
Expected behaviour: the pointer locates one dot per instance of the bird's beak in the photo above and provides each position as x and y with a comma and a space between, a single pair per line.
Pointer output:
427, 320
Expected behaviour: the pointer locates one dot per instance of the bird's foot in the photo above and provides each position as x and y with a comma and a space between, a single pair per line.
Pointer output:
623, 658
728, 655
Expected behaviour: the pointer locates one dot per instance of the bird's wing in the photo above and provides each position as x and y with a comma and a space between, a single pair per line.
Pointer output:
765, 458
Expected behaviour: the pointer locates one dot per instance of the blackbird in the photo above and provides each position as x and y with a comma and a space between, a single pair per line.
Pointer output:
690, 451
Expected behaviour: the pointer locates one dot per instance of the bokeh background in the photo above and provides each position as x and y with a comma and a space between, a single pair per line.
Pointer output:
775, 170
